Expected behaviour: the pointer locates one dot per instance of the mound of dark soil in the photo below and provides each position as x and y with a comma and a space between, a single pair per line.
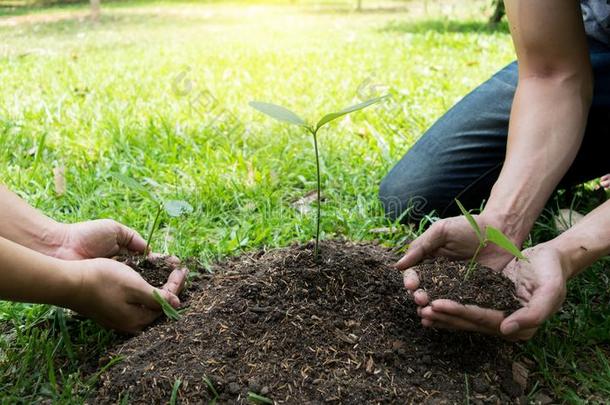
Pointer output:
280, 325
154, 270
442, 278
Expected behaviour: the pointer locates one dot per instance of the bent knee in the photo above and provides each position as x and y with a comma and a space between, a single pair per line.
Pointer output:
408, 201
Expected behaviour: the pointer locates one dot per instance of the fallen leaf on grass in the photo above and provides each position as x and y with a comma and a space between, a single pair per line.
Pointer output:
384, 230
520, 374
305, 203
60, 180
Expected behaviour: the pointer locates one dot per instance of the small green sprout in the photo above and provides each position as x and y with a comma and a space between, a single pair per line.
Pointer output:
285, 115
173, 208
167, 308
492, 235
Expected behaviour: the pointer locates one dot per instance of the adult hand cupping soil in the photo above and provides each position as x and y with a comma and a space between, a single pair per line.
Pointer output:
540, 286
455, 239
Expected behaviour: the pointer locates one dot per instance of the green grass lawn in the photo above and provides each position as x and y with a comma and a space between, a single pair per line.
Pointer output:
160, 92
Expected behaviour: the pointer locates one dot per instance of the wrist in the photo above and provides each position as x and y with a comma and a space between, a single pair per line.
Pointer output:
564, 252
50, 238
509, 223
577, 250
73, 275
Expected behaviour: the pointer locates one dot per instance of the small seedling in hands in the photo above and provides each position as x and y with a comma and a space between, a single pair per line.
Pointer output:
285, 115
492, 235
173, 208
166, 307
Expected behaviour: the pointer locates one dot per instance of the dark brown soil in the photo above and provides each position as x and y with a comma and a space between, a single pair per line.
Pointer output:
442, 278
278, 324
153, 270
156, 270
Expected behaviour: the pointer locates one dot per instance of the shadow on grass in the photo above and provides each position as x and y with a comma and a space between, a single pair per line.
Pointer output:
446, 26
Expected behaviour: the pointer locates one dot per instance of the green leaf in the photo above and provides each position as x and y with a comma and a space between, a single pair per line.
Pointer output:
333, 116
168, 310
496, 237
258, 399
175, 208
471, 220
135, 186
278, 112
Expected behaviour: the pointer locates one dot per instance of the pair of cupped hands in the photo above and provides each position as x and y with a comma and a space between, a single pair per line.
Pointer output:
119, 298
540, 282
110, 292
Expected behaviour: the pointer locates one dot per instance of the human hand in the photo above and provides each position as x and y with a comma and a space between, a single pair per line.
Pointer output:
605, 181
117, 297
455, 239
540, 285
99, 238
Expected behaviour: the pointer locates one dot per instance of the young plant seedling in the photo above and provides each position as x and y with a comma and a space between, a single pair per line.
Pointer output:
169, 311
173, 208
285, 115
492, 235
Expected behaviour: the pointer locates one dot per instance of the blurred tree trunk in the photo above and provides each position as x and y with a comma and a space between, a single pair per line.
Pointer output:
499, 11
359, 5
95, 9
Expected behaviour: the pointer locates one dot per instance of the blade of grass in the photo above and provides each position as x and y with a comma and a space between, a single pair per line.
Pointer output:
208, 382
174, 397
168, 310
258, 399
65, 335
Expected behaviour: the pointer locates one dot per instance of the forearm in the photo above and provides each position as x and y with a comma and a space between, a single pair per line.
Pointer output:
549, 111
586, 242
547, 124
29, 276
23, 224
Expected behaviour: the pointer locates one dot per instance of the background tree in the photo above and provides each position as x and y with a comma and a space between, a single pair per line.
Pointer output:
498, 13
95, 9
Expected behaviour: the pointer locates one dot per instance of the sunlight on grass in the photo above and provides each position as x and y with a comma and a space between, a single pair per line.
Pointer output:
160, 92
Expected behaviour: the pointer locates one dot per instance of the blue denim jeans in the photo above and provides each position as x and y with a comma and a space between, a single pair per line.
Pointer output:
461, 155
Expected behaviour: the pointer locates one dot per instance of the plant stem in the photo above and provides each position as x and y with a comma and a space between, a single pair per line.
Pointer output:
315, 144
152, 230
472, 262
